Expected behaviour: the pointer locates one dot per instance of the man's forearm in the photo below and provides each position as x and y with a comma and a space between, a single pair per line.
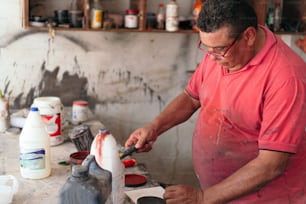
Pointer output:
249, 178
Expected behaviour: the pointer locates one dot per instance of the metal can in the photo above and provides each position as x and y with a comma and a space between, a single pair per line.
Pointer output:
79, 111
81, 137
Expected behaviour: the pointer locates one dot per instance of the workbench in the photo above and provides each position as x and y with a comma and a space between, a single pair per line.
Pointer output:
45, 191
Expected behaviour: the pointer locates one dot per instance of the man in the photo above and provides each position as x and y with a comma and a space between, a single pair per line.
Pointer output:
249, 144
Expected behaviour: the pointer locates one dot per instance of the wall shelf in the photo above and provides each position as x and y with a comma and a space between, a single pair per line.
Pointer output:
298, 7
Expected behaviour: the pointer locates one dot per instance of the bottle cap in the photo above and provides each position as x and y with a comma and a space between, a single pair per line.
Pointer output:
103, 131
34, 109
80, 103
131, 11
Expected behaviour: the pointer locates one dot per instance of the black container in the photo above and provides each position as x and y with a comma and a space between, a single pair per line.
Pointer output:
81, 188
151, 22
150, 200
104, 177
61, 16
76, 18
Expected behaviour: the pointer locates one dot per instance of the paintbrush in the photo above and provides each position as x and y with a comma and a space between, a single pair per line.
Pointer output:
127, 152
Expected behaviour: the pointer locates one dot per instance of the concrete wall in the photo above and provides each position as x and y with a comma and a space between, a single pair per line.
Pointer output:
128, 78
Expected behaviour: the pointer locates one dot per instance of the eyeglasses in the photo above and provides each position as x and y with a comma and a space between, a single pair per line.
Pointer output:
218, 52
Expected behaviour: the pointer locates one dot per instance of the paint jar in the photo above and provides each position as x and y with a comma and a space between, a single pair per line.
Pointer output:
76, 158
79, 111
34, 145
81, 137
131, 18
80, 188
50, 108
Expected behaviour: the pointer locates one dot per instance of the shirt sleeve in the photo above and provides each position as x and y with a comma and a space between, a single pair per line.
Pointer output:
284, 116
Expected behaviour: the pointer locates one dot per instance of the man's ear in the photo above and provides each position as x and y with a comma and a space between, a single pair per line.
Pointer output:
249, 35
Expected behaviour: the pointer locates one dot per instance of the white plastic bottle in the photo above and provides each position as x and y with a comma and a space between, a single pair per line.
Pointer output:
172, 16
160, 17
105, 149
34, 144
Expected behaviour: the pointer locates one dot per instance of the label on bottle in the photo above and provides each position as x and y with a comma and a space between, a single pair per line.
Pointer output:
32, 159
52, 124
96, 18
131, 21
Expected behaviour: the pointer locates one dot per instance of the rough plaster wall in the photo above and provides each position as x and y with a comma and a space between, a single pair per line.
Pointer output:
128, 78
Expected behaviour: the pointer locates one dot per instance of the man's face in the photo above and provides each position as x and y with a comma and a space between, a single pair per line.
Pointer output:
222, 48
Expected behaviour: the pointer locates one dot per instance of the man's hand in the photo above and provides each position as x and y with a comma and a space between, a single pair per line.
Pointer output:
183, 194
142, 138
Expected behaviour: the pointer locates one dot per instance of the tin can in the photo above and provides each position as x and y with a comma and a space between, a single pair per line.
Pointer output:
79, 111
81, 137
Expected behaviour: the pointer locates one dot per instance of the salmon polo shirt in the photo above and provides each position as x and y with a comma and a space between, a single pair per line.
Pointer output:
261, 106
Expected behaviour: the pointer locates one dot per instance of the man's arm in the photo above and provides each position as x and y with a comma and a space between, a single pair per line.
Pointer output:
178, 111
267, 166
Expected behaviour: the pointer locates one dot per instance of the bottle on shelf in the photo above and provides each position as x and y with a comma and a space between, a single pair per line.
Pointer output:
270, 18
161, 15
172, 16
277, 16
34, 143
76, 15
105, 149
96, 14
195, 13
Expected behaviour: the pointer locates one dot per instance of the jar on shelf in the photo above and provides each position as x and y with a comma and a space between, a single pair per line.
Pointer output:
172, 16
96, 14
131, 18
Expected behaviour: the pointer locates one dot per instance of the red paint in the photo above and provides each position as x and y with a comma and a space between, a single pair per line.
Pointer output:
96, 147
78, 157
129, 162
134, 180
